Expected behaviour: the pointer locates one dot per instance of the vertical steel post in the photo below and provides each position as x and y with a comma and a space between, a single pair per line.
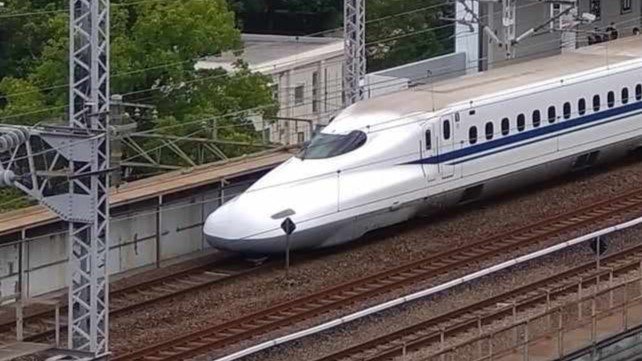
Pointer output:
354, 69
509, 10
89, 111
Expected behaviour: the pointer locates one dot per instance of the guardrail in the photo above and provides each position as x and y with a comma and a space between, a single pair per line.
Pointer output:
433, 290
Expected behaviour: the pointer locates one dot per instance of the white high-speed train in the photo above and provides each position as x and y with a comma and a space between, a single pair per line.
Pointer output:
384, 160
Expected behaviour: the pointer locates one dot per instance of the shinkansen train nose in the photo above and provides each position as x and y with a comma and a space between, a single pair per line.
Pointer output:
234, 227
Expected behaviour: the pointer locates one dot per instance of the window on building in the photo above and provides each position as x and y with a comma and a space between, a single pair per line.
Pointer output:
428, 140
567, 110
552, 116
446, 129
490, 130
315, 92
472, 135
595, 8
537, 118
626, 6
325, 87
299, 94
625, 95
300, 137
610, 99
638, 92
596, 103
521, 122
581, 106
275, 92
505, 126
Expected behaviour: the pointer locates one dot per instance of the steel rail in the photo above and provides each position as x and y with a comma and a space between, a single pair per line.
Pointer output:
290, 313
41, 325
466, 318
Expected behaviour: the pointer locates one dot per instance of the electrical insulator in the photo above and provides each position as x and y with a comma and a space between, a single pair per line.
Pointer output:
12, 138
7, 178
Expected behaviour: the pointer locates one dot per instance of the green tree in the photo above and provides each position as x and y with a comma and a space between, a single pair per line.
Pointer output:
20, 98
154, 49
404, 31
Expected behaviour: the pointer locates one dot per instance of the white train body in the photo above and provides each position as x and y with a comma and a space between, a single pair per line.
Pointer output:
416, 151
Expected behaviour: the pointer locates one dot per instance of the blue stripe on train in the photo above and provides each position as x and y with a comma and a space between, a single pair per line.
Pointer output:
573, 125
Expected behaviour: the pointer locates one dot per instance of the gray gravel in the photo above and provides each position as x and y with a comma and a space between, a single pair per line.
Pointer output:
401, 244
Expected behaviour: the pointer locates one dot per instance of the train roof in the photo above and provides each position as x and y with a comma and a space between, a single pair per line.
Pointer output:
514, 74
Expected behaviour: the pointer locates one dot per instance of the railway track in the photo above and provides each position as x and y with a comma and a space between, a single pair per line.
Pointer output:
464, 320
221, 337
41, 325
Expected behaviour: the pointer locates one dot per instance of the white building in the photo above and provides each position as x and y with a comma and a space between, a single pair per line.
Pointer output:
306, 78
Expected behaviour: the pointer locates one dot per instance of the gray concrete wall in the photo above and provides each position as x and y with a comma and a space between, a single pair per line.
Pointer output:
140, 237
405, 76
531, 13
441, 67
611, 11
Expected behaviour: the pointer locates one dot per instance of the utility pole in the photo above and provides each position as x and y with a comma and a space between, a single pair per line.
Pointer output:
354, 69
89, 101
66, 169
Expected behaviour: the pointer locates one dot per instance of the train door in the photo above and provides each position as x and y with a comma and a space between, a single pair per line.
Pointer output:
446, 138
428, 149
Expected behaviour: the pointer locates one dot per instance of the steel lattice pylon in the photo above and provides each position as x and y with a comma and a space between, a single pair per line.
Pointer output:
89, 107
354, 69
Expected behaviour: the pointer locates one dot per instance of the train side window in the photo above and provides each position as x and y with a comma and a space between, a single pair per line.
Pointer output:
610, 99
446, 129
552, 116
505, 126
428, 140
490, 130
537, 119
638, 92
521, 122
625, 95
596, 103
472, 135
581, 106
567, 110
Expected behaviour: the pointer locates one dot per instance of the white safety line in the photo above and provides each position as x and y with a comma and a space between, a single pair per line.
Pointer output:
427, 292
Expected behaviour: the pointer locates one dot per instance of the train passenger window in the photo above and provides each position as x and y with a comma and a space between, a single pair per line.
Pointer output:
552, 116
490, 130
505, 126
521, 122
324, 145
638, 92
567, 110
537, 119
596, 103
428, 140
581, 106
446, 129
625, 95
610, 99
472, 135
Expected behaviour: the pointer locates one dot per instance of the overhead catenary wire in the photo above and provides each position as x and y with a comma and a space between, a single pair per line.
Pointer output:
235, 113
314, 34
259, 45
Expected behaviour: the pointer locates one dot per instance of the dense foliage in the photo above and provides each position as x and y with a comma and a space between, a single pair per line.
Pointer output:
398, 31
154, 48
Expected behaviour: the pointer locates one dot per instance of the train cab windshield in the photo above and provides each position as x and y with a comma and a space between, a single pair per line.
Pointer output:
332, 145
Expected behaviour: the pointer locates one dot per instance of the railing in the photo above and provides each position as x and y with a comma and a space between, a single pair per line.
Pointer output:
558, 330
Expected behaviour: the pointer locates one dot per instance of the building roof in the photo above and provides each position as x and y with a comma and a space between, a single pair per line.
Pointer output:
275, 53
